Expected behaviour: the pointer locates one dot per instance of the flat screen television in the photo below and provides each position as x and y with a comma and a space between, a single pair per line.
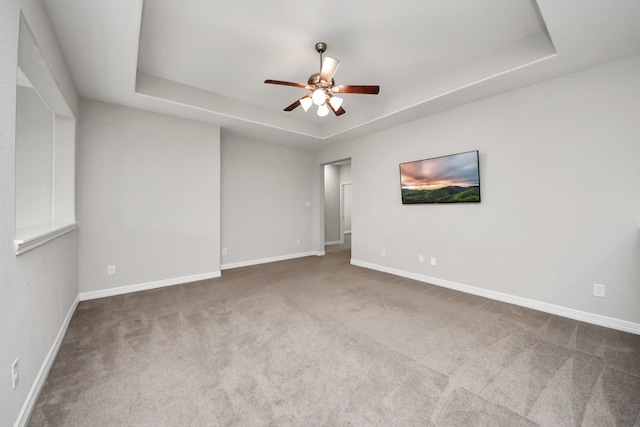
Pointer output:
448, 179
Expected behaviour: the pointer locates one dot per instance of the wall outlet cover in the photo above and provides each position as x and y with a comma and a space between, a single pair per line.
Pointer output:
598, 290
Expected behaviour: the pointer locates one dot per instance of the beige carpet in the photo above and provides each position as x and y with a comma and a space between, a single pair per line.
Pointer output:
318, 342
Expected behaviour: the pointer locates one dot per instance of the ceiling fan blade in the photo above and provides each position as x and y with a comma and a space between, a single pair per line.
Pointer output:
329, 67
366, 90
340, 111
280, 82
292, 106
297, 103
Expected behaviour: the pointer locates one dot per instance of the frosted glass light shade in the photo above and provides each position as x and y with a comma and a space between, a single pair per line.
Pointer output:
318, 97
323, 110
306, 103
335, 102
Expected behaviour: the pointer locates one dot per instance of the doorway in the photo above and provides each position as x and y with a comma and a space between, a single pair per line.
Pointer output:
337, 205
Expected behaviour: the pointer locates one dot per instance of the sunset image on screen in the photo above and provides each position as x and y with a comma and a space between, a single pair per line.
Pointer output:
447, 179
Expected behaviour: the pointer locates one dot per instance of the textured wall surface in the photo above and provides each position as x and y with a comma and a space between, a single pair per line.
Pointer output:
148, 197
265, 188
560, 183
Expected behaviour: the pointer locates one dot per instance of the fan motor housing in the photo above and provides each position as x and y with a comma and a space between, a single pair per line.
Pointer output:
314, 80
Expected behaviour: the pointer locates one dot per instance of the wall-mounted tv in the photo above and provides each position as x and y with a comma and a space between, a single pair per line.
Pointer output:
448, 179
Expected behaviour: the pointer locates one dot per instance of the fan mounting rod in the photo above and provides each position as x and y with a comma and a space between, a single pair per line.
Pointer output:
321, 47
314, 79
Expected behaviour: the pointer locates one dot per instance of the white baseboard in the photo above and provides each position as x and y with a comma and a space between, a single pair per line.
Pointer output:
583, 316
335, 242
146, 286
36, 388
251, 262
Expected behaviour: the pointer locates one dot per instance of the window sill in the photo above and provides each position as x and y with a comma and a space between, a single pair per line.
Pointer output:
31, 237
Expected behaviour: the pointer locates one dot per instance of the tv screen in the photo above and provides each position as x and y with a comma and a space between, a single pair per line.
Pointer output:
448, 179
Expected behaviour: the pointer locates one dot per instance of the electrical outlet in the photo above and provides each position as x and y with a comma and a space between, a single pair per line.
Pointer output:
383, 252
598, 290
111, 270
224, 251
14, 374
420, 259
433, 261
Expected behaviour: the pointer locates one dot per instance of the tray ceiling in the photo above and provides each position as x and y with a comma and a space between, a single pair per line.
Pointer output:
207, 60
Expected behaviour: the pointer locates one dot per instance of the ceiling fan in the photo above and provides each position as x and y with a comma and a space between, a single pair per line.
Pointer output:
322, 87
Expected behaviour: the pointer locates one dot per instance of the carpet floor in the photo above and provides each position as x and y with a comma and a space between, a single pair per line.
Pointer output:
318, 342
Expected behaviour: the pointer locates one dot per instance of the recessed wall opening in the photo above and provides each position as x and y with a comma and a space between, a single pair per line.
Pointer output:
45, 151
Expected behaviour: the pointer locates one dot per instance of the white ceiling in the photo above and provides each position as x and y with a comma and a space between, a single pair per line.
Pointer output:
207, 60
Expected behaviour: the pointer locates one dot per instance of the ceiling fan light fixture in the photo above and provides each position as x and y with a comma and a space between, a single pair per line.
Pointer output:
323, 110
306, 103
322, 86
335, 102
318, 97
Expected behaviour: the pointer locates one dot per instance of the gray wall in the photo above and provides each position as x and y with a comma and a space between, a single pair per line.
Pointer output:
39, 288
265, 188
345, 173
345, 178
560, 204
148, 197
34, 159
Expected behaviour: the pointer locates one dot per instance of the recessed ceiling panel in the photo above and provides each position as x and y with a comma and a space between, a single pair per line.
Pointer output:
230, 48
